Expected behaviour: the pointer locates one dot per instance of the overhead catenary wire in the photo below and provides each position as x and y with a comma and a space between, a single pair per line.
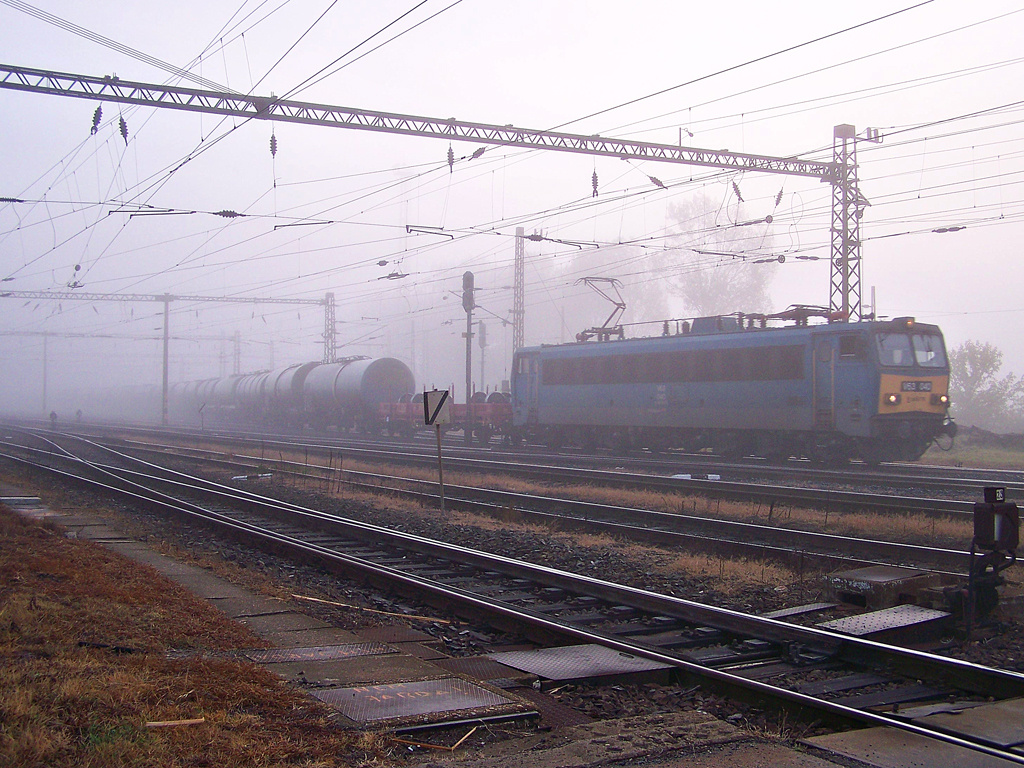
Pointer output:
747, 63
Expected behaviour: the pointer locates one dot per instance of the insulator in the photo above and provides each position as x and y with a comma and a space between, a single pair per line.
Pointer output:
227, 214
451, 160
593, 182
273, 145
477, 153
124, 130
657, 182
96, 117
736, 189
778, 198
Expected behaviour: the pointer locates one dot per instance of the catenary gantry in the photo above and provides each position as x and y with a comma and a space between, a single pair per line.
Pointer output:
847, 202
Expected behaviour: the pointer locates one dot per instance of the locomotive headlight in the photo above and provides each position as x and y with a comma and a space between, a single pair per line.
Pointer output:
892, 399
940, 399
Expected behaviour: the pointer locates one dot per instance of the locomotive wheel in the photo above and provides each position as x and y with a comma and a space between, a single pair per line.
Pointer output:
775, 449
588, 441
732, 447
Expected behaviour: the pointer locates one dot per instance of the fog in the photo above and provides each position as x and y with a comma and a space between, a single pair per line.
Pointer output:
389, 227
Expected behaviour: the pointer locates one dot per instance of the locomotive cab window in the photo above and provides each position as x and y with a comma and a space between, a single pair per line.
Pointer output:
928, 350
894, 349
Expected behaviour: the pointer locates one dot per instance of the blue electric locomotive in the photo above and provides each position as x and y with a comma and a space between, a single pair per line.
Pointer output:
874, 390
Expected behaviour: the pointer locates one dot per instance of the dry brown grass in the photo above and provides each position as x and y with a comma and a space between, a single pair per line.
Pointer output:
966, 454
730, 575
83, 666
908, 528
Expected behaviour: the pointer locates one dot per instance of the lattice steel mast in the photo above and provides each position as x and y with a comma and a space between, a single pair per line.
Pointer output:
519, 293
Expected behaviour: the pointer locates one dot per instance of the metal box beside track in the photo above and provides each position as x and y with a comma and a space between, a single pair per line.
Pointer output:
881, 586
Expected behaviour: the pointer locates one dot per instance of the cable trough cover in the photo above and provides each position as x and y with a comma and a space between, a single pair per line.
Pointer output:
581, 662
418, 699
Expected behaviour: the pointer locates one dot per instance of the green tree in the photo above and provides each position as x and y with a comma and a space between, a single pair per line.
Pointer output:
980, 396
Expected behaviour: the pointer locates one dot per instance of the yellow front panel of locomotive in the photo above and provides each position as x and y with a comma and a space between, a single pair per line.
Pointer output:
913, 394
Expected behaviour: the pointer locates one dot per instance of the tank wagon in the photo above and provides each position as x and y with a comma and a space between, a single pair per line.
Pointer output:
343, 395
348, 394
874, 390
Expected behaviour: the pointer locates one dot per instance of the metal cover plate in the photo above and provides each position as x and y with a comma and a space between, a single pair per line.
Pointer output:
999, 724
368, 703
897, 617
480, 667
396, 634
890, 748
576, 661
318, 653
421, 651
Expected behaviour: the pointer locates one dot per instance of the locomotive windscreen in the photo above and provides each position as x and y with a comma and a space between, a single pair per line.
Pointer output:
907, 349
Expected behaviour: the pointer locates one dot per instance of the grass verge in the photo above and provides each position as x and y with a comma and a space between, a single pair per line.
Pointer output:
85, 637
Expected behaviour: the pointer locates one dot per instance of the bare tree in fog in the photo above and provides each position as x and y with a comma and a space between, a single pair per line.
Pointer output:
714, 269
982, 398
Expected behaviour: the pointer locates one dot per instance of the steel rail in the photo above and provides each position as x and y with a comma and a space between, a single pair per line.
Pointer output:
532, 618
968, 481
789, 544
816, 497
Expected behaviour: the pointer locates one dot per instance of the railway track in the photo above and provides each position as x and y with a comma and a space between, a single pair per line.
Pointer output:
749, 656
896, 487
798, 549
709, 485
949, 482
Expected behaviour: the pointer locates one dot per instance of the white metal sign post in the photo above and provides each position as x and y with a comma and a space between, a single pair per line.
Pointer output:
437, 410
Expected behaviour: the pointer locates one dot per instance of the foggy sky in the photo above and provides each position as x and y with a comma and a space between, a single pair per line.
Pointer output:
531, 64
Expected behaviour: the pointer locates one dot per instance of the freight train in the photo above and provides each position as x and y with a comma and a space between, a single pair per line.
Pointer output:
874, 390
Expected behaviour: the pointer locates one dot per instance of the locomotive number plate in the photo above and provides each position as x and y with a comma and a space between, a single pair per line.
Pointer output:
917, 386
